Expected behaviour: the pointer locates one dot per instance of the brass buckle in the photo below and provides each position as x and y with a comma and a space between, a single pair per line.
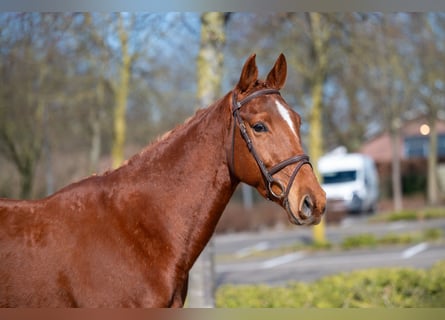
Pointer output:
276, 183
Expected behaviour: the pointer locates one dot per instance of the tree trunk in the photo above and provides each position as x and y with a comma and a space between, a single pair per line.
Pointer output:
27, 177
393, 99
209, 72
316, 145
46, 148
28, 159
121, 95
434, 76
96, 144
395, 161
315, 122
210, 57
320, 56
96, 117
433, 185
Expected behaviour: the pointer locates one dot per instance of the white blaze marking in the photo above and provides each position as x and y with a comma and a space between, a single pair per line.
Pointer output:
286, 116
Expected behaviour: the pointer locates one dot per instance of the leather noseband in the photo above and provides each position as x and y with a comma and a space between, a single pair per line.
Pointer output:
267, 174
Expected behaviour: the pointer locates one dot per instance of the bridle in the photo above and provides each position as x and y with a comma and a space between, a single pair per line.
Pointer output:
267, 174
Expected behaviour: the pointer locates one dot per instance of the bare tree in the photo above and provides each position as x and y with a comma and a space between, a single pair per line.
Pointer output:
393, 91
121, 88
313, 65
209, 73
348, 114
431, 89
30, 75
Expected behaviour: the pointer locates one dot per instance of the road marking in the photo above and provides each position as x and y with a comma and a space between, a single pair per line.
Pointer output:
260, 246
271, 263
412, 251
268, 264
396, 226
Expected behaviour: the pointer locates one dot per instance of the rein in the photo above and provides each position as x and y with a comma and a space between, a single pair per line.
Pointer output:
267, 174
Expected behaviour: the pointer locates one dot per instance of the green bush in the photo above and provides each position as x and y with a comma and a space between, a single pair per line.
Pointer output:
361, 240
392, 238
388, 287
403, 215
369, 240
433, 234
433, 213
410, 215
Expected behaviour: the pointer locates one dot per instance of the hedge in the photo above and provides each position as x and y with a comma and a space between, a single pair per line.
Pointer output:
410, 215
370, 240
386, 287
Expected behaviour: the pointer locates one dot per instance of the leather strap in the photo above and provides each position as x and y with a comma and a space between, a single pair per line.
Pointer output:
267, 174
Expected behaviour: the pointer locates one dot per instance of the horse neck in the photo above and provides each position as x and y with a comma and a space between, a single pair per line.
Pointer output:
189, 179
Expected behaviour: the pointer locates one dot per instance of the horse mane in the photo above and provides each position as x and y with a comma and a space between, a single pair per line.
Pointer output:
178, 127
197, 116
164, 137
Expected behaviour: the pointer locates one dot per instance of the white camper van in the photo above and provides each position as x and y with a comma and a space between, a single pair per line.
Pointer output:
350, 181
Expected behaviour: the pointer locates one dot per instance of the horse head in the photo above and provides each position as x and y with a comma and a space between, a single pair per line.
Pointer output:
266, 149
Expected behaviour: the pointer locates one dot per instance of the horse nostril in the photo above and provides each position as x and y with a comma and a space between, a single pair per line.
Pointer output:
306, 207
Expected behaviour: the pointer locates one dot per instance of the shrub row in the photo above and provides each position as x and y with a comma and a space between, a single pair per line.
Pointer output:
388, 287
370, 240
410, 215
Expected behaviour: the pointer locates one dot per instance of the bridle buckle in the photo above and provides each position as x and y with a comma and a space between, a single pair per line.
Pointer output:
276, 183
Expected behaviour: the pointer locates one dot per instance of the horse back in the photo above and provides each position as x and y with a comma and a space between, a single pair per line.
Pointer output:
45, 246
77, 248
39, 242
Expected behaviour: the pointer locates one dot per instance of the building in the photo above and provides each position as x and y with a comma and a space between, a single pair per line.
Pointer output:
414, 142
414, 150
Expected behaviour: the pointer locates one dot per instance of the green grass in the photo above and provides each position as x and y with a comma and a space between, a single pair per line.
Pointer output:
386, 287
370, 240
410, 215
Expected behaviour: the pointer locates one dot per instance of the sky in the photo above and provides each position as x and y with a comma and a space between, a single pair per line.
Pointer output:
223, 5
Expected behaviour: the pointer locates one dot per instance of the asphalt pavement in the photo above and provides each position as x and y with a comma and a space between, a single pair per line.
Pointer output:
242, 258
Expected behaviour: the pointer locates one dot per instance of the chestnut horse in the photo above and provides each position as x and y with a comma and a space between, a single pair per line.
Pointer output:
129, 237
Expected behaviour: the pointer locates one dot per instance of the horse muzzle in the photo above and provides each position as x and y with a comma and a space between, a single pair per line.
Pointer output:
307, 213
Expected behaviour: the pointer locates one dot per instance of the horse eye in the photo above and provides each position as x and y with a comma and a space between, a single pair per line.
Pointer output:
259, 127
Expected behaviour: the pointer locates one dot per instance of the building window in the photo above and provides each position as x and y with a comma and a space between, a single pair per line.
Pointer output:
441, 145
418, 146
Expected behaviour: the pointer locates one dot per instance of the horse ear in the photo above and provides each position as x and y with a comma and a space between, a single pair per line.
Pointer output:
249, 74
277, 75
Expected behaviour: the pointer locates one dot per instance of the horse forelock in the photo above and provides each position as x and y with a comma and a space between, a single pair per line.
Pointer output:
255, 86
